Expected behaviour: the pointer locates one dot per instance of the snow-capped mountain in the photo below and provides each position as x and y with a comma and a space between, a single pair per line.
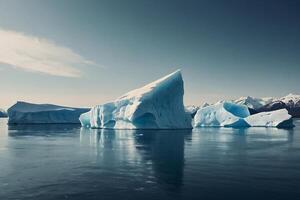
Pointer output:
253, 102
204, 105
2, 113
290, 102
191, 109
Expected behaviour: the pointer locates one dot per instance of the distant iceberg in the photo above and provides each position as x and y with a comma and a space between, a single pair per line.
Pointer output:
158, 105
28, 113
228, 114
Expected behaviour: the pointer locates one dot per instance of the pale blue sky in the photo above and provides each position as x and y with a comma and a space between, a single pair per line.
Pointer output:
90, 52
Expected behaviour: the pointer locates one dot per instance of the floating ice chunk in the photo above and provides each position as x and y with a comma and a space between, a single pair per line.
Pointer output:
28, 113
158, 105
222, 114
277, 118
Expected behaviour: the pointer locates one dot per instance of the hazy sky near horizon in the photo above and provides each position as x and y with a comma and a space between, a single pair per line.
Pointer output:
87, 52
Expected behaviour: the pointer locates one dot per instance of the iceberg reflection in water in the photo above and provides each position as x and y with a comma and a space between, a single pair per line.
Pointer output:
156, 150
58, 162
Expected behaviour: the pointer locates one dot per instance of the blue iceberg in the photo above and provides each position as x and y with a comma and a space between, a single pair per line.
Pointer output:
225, 114
29, 113
158, 105
228, 114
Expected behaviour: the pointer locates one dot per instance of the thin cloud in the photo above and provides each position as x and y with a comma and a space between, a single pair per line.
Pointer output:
39, 55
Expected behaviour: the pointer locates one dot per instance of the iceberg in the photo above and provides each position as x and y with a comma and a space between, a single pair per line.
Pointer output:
158, 105
228, 114
224, 114
277, 118
29, 113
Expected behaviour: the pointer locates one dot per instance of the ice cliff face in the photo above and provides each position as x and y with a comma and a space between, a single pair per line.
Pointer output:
28, 113
228, 114
291, 99
158, 105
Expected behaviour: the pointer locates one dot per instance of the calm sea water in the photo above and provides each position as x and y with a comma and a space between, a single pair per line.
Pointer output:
67, 162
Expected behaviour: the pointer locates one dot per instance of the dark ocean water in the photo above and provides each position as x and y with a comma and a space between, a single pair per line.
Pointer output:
67, 162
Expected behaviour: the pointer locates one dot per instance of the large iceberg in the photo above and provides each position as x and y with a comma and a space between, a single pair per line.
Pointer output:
158, 105
228, 114
28, 113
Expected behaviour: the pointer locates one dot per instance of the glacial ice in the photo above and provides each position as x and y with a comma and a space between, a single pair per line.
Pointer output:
277, 118
29, 113
221, 114
228, 114
158, 105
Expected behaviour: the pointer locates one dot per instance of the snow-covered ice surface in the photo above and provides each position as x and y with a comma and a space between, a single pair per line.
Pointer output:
29, 113
221, 114
228, 114
277, 118
158, 105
